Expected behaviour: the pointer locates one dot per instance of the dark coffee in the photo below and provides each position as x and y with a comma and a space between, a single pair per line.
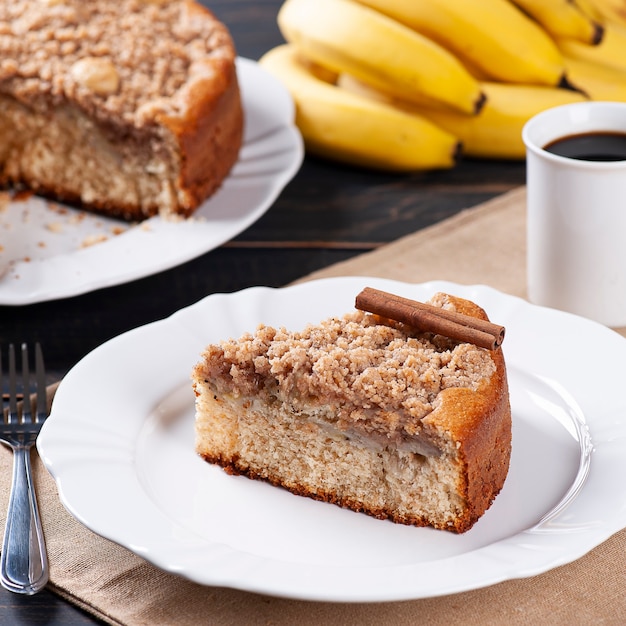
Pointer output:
598, 146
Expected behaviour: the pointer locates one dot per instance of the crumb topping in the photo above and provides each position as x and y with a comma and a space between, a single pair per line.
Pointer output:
124, 58
367, 370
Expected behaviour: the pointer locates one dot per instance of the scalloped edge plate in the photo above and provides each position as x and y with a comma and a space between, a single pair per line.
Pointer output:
119, 444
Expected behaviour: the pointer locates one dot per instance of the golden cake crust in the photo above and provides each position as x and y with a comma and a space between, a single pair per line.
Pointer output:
151, 87
481, 422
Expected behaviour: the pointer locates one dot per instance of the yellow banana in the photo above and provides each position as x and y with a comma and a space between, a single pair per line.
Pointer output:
610, 51
563, 19
319, 71
599, 82
496, 132
343, 126
493, 35
611, 10
588, 7
348, 37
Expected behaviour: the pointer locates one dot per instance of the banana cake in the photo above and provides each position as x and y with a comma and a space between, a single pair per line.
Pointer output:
130, 108
364, 412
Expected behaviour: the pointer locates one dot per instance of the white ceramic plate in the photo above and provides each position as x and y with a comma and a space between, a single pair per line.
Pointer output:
50, 251
120, 446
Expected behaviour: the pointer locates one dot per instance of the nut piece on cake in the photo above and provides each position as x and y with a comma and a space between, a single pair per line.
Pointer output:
129, 108
364, 412
98, 75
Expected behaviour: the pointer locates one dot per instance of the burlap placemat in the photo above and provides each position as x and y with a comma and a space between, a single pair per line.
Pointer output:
482, 245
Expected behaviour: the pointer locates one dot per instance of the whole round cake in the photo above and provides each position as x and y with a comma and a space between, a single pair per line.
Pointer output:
127, 107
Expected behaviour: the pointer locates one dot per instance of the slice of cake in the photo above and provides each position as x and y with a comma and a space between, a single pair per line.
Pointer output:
127, 107
364, 412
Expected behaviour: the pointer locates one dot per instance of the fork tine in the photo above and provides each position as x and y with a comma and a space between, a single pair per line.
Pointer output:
40, 377
26, 407
13, 415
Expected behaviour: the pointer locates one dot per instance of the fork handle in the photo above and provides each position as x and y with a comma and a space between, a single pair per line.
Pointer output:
23, 562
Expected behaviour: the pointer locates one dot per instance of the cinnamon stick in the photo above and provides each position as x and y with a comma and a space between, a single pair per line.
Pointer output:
429, 318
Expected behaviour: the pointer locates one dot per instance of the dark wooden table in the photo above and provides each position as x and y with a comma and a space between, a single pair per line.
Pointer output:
328, 213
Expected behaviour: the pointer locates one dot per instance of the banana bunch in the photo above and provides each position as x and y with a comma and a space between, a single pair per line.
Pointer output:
338, 124
494, 132
406, 85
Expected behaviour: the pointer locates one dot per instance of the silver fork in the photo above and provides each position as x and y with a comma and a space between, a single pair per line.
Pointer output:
23, 562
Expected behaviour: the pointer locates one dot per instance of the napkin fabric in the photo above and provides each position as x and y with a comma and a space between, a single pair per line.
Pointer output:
483, 245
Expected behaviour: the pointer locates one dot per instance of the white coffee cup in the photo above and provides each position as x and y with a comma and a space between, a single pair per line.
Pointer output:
576, 211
